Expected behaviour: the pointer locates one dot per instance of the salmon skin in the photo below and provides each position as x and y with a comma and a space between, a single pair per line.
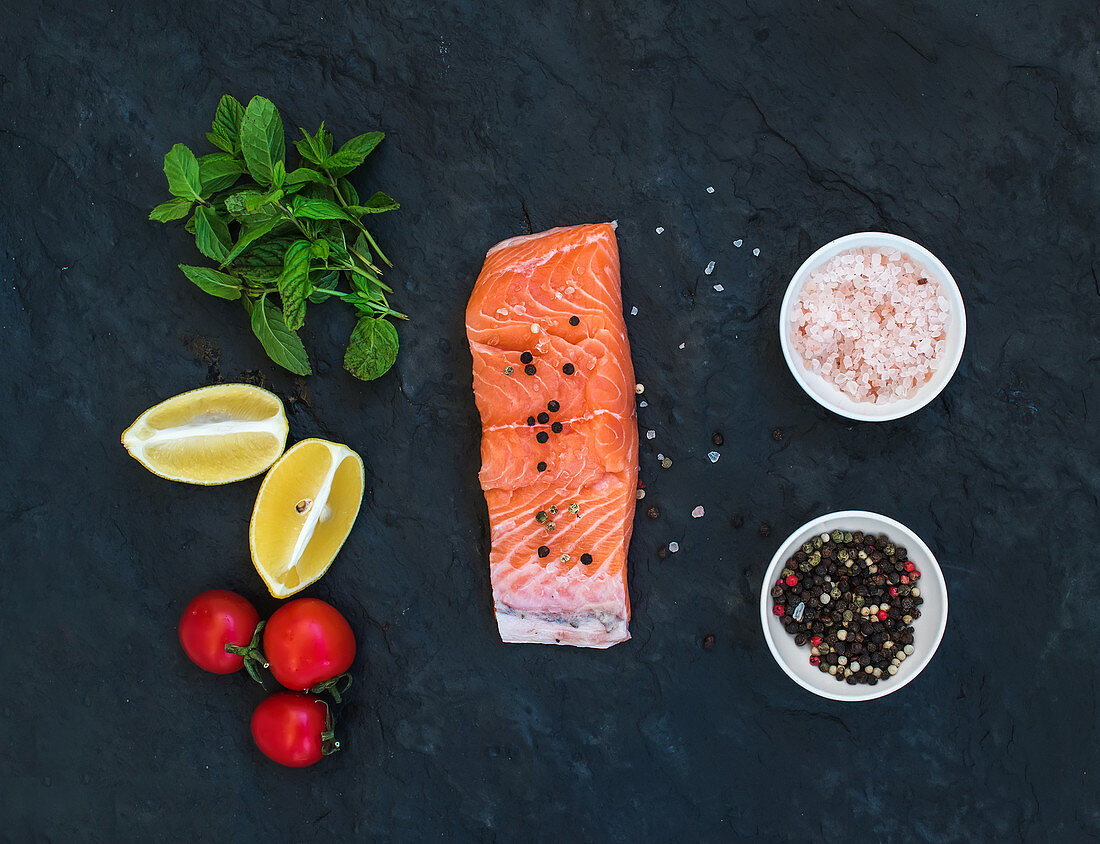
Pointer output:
554, 385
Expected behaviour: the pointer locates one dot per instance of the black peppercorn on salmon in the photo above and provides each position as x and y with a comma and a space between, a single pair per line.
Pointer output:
554, 385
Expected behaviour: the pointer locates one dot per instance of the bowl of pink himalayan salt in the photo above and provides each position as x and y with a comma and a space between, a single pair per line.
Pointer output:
872, 326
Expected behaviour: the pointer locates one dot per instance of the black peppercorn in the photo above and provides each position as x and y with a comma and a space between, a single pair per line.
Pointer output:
653, 513
542, 466
553, 406
586, 559
574, 320
717, 439
530, 369
542, 436
568, 369
777, 434
544, 551
530, 420
543, 418
526, 357
708, 641
556, 427
764, 529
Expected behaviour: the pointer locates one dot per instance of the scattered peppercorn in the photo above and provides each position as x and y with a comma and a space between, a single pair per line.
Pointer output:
553, 406
530, 369
508, 370
586, 559
717, 439
708, 641
542, 436
662, 552
543, 418
777, 434
856, 609
922, 280
526, 357
653, 512
568, 369
574, 320
737, 521
541, 466
530, 420
544, 551
764, 529
666, 462
556, 427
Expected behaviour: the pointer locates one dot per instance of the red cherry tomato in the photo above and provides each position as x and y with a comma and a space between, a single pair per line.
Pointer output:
213, 620
293, 729
307, 642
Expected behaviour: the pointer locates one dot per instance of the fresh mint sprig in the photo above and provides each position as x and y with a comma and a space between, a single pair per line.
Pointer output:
283, 240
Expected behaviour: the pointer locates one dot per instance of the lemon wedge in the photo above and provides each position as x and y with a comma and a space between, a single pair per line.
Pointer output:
213, 435
304, 512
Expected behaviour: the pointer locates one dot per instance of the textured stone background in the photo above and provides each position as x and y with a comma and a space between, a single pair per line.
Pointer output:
970, 127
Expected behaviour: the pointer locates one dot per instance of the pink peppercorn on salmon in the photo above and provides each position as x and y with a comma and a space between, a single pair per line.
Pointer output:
559, 450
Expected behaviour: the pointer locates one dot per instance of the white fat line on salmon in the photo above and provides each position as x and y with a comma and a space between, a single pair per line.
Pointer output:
571, 420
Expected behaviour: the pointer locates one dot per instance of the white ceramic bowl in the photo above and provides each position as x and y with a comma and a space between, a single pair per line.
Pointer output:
927, 630
827, 394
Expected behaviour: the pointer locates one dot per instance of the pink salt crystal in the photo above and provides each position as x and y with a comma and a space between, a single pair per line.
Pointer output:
868, 327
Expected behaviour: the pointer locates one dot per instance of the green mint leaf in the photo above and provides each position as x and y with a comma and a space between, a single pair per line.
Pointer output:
173, 209
218, 171
227, 124
182, 169
311, 147
319, 249
211, 234
261, 275
255, 203
294, 286
318, 209
220, 142
249, 237
379, 203
279, 175
262, 142
323, 285
267, 252
242, 206
282, 344
372, 348
352, 154
303, 175
213, 282
350, 194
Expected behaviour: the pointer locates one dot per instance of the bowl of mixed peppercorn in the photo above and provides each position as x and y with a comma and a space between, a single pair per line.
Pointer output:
853, 605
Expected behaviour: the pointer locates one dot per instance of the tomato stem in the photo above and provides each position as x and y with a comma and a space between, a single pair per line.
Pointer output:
337, 686
252, 654
329, 743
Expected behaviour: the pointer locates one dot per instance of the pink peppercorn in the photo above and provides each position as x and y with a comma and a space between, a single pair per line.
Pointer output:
916, 574
815, 641
910, 565
905, 578
815, 660
893, 591
779, 609
882, 615
792, 580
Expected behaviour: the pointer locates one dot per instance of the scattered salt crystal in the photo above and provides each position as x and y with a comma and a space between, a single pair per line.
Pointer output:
738, 243
713, 456
660, 456
639, 388
872, 323
710, 268
756, 253
633, 311
682, 345
697, 513
650, 434
643, 403
535, 328
660, 229
719, 288
640, 494
710, 190
674, 547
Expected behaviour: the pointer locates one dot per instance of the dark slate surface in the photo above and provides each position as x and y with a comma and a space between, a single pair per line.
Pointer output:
969, 127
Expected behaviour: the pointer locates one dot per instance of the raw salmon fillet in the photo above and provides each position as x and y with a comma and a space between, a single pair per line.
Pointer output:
546, 330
